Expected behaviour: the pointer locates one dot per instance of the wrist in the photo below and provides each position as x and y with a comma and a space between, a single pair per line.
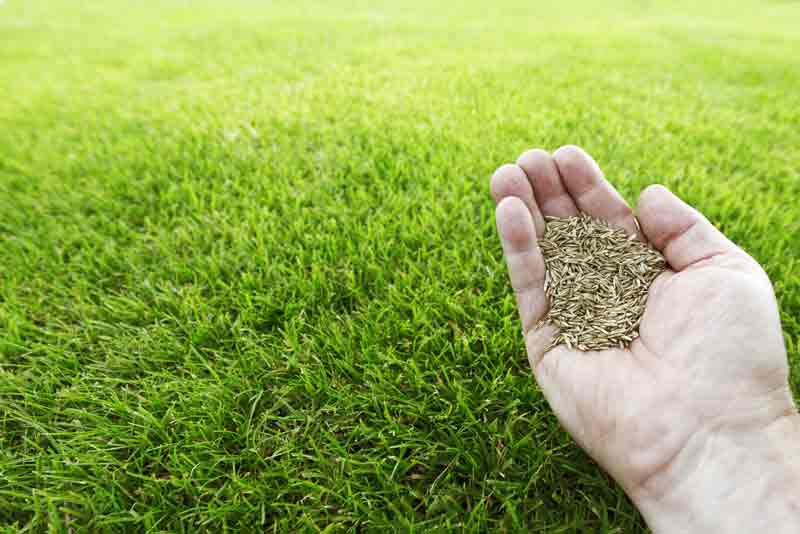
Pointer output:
729, 481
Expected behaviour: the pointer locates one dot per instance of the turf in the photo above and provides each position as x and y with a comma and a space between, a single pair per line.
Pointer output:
249, 274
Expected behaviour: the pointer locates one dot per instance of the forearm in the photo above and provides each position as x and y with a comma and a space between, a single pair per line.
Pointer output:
742, 484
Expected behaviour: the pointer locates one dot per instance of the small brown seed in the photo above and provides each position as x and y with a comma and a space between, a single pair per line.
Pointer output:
596, 280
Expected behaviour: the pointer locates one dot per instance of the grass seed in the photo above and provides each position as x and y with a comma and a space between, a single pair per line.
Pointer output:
596, 281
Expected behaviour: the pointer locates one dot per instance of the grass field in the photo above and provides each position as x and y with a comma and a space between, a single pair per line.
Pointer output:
249, 273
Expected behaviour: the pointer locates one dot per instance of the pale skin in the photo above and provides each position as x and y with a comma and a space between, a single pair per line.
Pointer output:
695, 420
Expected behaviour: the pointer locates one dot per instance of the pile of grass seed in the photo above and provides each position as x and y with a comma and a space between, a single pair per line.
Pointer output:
597, 281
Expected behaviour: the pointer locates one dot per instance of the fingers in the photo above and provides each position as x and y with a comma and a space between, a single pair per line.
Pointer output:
679, 231
590, 191
552, 198
537, 342
524, 259
511, 181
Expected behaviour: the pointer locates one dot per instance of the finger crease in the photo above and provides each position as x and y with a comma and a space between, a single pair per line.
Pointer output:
537, 283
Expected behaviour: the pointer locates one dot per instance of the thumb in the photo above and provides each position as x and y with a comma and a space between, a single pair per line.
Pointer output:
679, 231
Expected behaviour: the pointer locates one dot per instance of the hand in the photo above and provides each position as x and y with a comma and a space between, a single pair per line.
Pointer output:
694, 418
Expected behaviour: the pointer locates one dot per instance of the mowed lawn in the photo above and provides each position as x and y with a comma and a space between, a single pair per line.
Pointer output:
250, 280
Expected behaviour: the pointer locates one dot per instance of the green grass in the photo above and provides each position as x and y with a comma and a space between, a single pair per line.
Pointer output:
249, 273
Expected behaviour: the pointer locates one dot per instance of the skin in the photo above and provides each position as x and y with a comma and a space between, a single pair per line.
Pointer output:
695, 419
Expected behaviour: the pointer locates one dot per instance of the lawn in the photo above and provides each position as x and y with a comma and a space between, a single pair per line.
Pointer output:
250, 280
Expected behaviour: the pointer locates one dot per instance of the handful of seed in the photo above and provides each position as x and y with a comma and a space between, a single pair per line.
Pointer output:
596, 279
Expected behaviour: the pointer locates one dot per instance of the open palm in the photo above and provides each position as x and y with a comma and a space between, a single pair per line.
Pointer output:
710, 361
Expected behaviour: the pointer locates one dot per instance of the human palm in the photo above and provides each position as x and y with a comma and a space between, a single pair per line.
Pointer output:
710, 362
